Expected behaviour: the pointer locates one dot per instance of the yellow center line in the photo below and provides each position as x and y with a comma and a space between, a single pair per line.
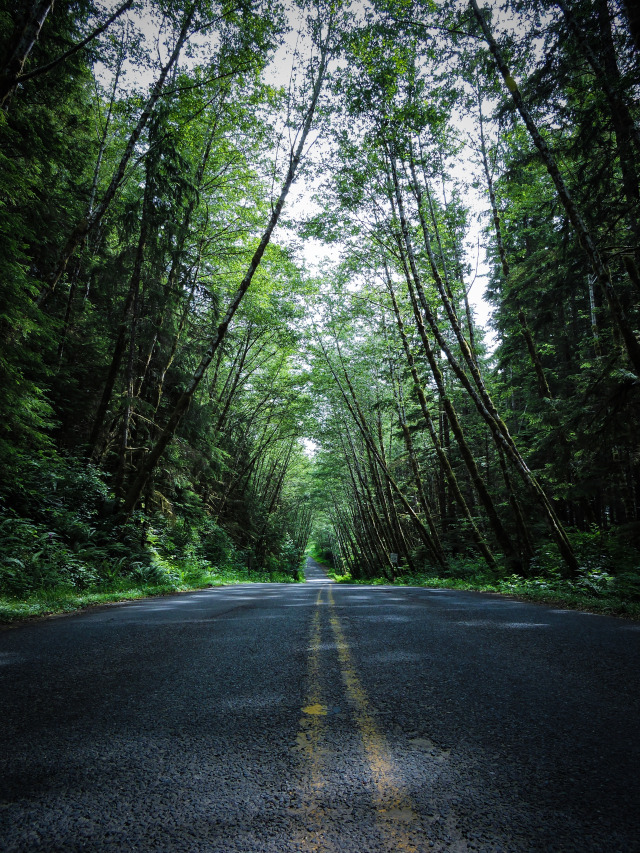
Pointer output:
310, 723
308, 739
395, 812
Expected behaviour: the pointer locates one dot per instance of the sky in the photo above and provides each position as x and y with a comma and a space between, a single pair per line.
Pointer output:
299, 203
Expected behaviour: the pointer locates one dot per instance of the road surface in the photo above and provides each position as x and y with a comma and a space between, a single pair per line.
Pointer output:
321, 717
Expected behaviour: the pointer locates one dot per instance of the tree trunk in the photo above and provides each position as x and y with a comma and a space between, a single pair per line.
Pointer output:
633, 17
445, 465
608, 77
86, 225
415, 470
153, 457
356, 413
543, 386
20, 47
587, 243
129, 393
412, 278
484, 405
125, 323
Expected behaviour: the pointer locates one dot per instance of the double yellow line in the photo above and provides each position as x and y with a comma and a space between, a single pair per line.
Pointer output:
394, 812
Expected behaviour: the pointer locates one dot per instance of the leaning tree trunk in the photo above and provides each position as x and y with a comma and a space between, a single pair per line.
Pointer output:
20, 47
126, 323
370, 542
12, 73
153, 457
414, 285
587, 243
445, 465
86, 225
479, 395
543, 385
415, 468
371, 510
353, 405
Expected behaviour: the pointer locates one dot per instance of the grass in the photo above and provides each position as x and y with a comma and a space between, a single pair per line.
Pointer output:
62, 599
595, 592
594, 597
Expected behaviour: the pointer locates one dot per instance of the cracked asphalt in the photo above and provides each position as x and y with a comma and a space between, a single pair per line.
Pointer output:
321, 717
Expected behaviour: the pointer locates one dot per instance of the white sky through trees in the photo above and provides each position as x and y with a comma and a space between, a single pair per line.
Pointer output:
289, 61
300, 204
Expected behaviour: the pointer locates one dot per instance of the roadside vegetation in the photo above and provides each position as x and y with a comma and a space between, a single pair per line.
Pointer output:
596, 593
60, 551
606, 583
506, 461
66, 599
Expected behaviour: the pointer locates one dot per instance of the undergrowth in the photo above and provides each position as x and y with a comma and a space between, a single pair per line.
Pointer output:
608, 580
569, 594
61, 599
61, 547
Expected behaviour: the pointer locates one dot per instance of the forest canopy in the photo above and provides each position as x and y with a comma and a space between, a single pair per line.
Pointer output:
186, 386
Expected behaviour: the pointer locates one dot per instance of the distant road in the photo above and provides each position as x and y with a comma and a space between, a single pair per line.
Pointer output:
321, 717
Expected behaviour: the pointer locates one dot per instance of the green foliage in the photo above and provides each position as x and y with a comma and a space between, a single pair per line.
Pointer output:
608, 581
60, 534
594, 592
91, 374
345, 578
52, 535
102, 329
321, 548
601, 556
61, 599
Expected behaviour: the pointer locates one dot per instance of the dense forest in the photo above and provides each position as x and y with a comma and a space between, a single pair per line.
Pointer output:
186, 387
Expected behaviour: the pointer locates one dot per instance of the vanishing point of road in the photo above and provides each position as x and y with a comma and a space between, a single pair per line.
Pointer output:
321, 717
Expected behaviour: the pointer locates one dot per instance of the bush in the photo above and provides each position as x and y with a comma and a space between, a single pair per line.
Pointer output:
33, 558
59, 531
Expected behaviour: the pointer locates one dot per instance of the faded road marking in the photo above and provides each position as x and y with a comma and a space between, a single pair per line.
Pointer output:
316, 710
397, 823
394, 809
308, 741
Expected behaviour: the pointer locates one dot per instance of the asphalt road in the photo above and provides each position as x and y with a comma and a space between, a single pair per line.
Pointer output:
319, 717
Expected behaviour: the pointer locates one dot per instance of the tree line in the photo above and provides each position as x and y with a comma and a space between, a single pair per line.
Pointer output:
166, 352
146, 162
438, 443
